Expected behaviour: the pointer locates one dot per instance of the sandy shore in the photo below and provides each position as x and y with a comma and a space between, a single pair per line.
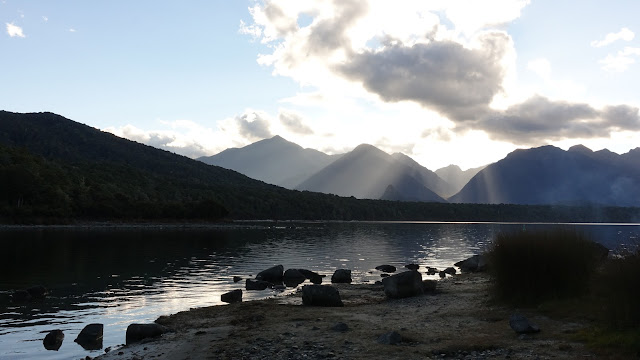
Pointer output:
458, 321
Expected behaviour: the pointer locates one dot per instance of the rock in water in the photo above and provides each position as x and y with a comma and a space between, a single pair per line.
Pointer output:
412, 266
231, 297
476, 263
341, 276
90, 338
273, 274
293, 277
404, 284
19, 296
450, 270
386, 268
37, 292
521, 325
320, 295
314, 277
256, 284
53, 340
237, 279
138, 332
390, 338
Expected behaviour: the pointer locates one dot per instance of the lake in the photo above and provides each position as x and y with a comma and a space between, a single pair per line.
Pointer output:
120, 275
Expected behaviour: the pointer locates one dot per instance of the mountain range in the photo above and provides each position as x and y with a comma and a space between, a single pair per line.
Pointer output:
543, 175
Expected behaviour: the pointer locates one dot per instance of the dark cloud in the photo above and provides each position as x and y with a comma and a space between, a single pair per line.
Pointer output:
253, 126
330, 34
444, 75
539, 119
282, 23
294, 123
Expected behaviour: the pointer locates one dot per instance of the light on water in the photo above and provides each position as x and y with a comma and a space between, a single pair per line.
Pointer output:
118, 276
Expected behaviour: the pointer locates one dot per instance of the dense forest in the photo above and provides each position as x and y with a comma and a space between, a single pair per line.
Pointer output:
54, 170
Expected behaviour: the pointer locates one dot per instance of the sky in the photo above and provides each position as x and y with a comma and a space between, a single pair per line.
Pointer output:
460, 82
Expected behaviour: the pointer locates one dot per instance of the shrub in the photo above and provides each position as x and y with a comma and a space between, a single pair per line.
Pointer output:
529, 267
618, 290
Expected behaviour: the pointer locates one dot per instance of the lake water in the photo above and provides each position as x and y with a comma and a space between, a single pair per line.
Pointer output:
120, 275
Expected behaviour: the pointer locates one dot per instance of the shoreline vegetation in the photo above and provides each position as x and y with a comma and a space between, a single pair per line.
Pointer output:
574, 300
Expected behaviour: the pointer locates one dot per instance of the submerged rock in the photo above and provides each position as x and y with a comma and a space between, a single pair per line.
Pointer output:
320, 295
138, 332
341, 276
231, 297
404, 284
53, 340
386, 268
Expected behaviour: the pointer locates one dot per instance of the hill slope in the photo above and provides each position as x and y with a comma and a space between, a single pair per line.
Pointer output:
274, 161
366, 173
549, 175
456, 178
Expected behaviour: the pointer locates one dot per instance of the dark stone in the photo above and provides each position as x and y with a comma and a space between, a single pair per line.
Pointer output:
236, 279
320, 295
340, 327
341, 276
251, 284
476, 263
90, 338
431, 271
390, 338
450, 270
293, 278
386, 268
384, 275
442, 274
429, 285
231, 297
521, 325
314, 277
37, 292
19, 296
139, 332
404, 284
273, 274
53, 340
412, 266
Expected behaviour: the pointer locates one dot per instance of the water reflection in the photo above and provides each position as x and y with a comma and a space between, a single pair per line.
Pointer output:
120, 276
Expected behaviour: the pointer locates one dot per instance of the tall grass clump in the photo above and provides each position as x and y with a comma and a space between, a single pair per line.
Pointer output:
529, 267
618, 290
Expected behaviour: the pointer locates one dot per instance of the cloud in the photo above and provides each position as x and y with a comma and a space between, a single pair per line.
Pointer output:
45, 19
542, 67
459, 82
294, 122
253, 125
14, 30
539, 120
624, 34
621, 61
162, 139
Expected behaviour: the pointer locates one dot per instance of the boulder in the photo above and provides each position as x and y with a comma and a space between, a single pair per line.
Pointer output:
314, 277
521, 325
386, 268
404, 284
273, 274
139, 332
53, 340
251, 284
231, 297
90, 338
431, 271
320, 295
341, 276
412, 266
293, 278
19, 296
442, 274
390, 338
450, 270
237, 279
476, 263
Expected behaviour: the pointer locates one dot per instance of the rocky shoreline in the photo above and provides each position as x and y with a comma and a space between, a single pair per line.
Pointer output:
457, 321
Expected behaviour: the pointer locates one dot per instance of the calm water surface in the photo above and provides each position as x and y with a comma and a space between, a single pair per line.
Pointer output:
118, 276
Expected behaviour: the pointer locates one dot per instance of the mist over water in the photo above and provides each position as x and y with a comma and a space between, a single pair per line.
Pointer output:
118, 276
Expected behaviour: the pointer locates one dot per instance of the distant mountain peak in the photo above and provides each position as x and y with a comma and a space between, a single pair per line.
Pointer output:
581, 149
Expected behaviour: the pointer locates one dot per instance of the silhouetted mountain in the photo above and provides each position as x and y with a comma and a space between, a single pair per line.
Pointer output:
274, 161
366, 173
549, 175
456, 178
428, 178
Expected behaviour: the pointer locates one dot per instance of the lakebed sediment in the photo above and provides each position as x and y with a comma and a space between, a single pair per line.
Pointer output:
457, 321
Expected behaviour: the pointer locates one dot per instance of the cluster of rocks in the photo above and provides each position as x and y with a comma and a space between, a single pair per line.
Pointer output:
36, 292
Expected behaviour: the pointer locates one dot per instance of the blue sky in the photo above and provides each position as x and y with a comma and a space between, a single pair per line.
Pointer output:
456, 81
